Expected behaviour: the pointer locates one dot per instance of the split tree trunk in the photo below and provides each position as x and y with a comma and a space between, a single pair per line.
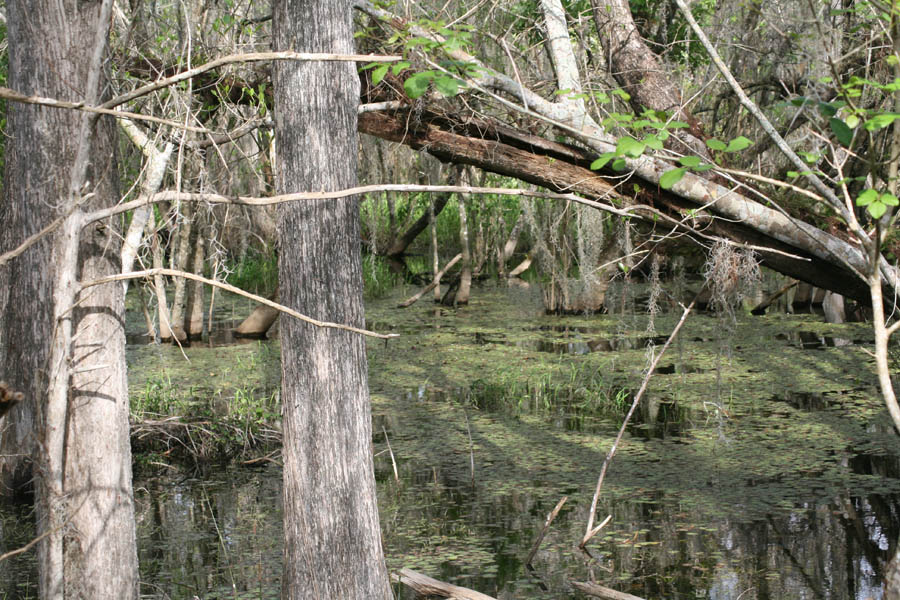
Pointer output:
332, 541
94, 554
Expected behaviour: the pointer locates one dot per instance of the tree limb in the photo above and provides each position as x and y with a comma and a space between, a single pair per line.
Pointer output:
239, 291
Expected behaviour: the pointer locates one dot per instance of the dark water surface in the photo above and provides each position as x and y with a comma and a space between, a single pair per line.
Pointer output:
760, 465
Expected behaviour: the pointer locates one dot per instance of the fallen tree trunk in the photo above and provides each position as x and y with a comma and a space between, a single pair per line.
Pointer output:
599, 591
427, 586
795, 248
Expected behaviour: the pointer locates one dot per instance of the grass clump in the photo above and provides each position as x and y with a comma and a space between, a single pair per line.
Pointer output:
256, 271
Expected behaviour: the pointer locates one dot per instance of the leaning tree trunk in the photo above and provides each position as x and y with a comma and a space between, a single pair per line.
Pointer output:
639, 71
83, 486
332, 542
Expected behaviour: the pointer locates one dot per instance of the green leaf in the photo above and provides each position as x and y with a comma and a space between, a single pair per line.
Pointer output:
417, 85
703, 167
889, 199
619, 164
793, 174
448, 86
689, 161
867, 197
622, 94
880, 121
677, 125
670, 178
739, 143
652, 141
379, 73
852, 121
843, 133
601, 162
397, 67
630, 147
877, 209
827, 109
715, 144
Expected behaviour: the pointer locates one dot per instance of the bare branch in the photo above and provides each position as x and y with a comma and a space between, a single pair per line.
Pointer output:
243, 58
364, 189
239, 291
54, 103
591, 530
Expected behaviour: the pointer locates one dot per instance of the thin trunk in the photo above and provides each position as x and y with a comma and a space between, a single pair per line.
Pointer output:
332, 540
180, 258
465, 276
162, 305
193, 318
435, 259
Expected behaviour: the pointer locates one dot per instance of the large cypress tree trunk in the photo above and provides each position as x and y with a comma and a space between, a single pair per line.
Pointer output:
332, 540
84, 492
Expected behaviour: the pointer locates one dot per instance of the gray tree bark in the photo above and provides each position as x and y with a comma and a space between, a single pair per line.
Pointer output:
50, 49
332, 545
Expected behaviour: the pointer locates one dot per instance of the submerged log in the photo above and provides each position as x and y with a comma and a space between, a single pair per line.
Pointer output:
425, 585
259, 322
411, 300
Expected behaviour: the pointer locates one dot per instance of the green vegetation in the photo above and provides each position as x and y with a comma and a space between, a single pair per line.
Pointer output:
378, 278
256, 271
223, 403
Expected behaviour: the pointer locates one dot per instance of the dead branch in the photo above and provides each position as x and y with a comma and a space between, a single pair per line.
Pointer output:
15, 96
591, 531
243, 58
362, 189
540, 538
239, 291
411, 300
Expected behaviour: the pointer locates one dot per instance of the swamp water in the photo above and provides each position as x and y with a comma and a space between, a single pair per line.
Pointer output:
761, 463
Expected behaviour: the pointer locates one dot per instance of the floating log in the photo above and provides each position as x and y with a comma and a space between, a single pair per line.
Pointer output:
599, 591
425, 585
259, 322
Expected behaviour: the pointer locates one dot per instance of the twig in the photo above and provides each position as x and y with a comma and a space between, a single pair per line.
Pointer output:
344, 193
471, 449
27, 546
391, 452
591, 531
239, 291
95, 110
540, 538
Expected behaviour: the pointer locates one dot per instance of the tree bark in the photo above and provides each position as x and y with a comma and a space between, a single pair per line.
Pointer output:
83, 490
332, 542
